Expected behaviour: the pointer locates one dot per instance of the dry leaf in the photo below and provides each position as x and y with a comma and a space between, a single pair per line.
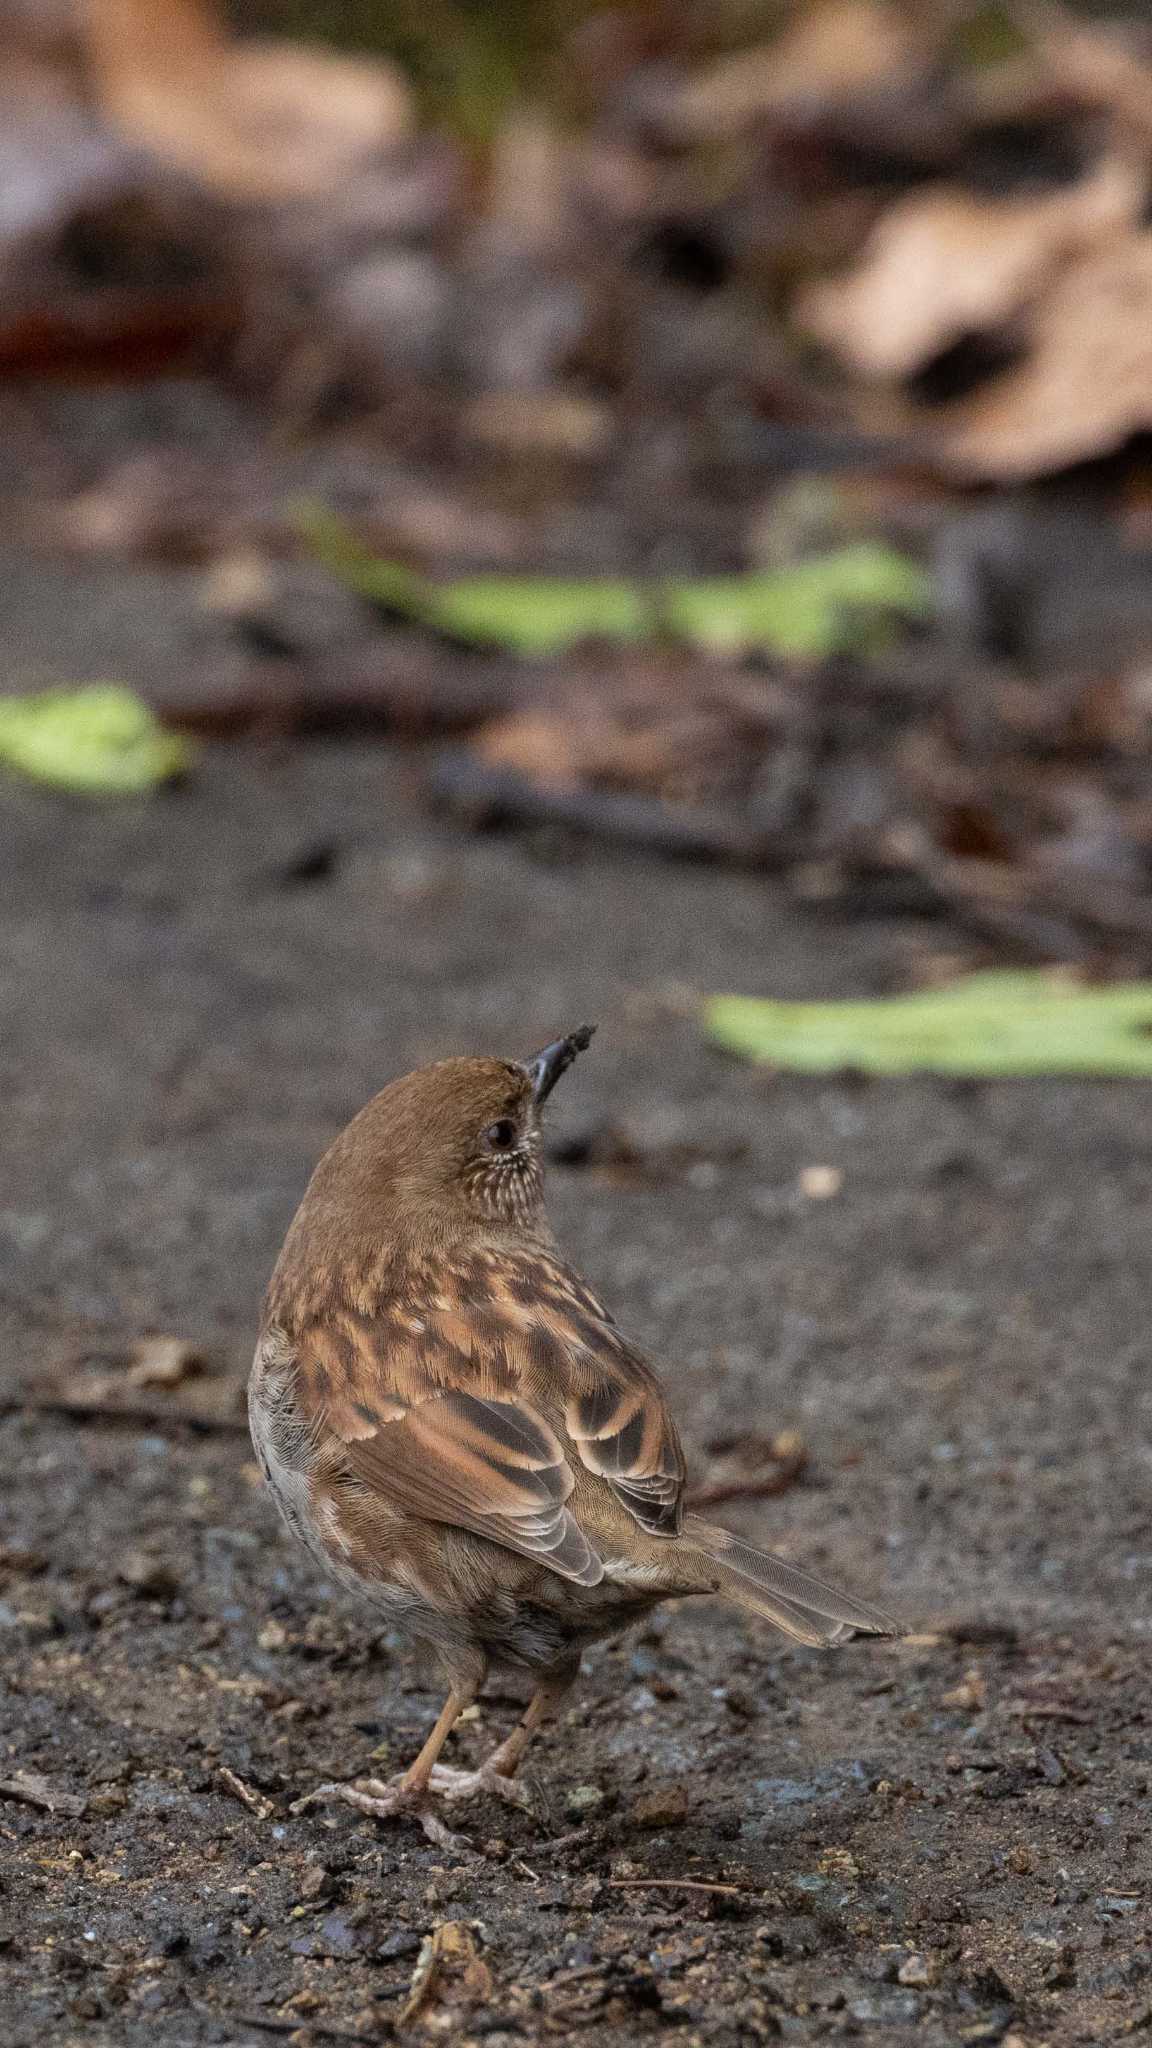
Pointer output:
527, 423
163, 1362
530, 179
1087, 384
1105, 65
827, 57
255, 120
970, 1694
449, 1970
640, 742
33, 1790
946, 263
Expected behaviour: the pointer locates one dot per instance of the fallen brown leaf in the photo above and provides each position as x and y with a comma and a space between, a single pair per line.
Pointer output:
163, 1362
1085, 386
449, 1969
255, 120
33, 1790
829, 55
1104, 64
945, 263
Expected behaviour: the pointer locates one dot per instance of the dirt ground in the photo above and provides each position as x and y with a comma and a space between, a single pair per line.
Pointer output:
939, 1840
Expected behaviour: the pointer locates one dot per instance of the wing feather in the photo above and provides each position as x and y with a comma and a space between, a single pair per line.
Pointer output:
493, 1467
474, 1396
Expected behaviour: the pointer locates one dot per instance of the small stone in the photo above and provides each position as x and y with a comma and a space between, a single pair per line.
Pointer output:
969, 1694
273, 1636
820, 1183
163, 1362
317, 1882
917, 1971
741, 1703
393, 310
663, 1806
395, 1947
340, 1936
587, 1894
105, 1805
1021, 1859
147, 1575
583, 1799
886, 2008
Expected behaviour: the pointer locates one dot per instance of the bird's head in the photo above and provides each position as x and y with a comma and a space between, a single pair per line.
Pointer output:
439, 1153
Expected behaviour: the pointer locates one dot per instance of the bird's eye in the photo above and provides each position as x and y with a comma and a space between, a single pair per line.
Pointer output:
500, 1136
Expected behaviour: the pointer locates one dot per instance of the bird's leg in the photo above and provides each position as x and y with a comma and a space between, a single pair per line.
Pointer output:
498, 1772
409, 1790
428, 1776
415, 1779
505, 1761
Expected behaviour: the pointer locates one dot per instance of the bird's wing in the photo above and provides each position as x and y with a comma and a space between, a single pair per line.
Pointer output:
475, 1397
493, 1467
428, 1408
615, 1415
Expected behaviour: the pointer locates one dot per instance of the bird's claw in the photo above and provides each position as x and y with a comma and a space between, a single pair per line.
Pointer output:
385, 1801
452, 1784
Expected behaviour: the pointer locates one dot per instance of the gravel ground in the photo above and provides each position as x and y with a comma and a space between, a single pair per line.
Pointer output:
933, 1841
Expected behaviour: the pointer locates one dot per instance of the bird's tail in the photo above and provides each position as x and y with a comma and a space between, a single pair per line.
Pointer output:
803, 1607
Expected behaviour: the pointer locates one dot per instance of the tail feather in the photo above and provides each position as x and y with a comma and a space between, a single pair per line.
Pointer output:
802, 1606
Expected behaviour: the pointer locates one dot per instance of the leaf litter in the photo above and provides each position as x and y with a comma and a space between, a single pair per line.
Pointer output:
102, 741
987, 1026
813, 608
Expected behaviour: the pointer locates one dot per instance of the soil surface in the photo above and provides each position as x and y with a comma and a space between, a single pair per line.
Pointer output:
937, 1840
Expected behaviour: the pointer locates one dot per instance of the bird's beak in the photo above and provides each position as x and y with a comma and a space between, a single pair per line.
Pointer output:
545, 1068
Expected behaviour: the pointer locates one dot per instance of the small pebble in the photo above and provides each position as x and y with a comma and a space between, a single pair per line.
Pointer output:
584, 1799
740, 1702
663, 1806
917, 1971
147, 1574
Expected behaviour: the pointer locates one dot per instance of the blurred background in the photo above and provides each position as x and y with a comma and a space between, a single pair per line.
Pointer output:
728, 433
515, 515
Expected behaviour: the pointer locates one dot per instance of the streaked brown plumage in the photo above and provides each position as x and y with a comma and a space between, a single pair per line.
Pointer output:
455, 1427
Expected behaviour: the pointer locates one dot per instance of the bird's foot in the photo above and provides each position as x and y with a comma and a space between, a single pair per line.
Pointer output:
384, 1801
452, 1785
397, 1797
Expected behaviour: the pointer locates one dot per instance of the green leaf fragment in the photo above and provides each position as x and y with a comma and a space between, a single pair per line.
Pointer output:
827, 605
99, 741
995, 1024
371, 576
528, 615
840, 600
540, 615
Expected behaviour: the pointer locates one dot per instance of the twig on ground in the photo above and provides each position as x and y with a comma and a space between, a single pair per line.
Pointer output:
683, 1884
254, 1801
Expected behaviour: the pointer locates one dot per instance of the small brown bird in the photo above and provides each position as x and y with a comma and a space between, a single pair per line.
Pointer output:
453, 1425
